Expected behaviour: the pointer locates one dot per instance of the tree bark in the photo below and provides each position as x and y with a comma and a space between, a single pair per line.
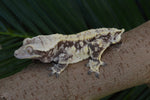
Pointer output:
127, 65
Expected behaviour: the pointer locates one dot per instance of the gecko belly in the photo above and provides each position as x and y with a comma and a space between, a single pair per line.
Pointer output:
78, 58
78, 54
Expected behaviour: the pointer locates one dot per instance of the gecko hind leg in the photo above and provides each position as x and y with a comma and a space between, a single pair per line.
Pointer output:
57, 69
95, 52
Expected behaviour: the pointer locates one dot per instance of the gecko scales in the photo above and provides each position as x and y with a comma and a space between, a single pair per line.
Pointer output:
67, 49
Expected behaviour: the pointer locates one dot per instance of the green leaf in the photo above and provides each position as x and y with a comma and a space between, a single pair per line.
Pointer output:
8, 17
135, 92
2, 26
144, 8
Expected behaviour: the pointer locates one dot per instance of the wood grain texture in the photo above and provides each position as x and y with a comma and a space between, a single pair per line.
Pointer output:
128, 65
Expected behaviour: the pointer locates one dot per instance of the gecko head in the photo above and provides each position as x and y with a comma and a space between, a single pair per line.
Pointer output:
116, 35
28, 50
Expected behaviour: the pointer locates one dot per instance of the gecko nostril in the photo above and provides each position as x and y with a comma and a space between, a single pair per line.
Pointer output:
15, 53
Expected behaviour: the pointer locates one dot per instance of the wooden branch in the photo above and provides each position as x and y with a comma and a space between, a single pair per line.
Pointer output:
127, 66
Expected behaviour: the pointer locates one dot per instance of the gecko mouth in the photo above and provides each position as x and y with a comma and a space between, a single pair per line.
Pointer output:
24, 56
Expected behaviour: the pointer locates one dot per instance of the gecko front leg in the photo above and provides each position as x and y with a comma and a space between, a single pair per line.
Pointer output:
57, 69
95, 52
61, 62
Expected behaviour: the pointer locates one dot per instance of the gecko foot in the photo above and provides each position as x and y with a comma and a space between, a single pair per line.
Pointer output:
94, 67
56, 74
96, 73
89, 72
57, 69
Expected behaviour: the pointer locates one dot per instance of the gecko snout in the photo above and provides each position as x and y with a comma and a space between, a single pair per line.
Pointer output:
15, 53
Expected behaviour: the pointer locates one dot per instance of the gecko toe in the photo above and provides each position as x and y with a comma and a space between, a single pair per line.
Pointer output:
87, 65
89, 72
97, 75
57, 75
104, 64
51, 74
49, 68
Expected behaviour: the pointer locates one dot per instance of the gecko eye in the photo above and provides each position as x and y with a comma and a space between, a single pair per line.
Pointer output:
29, 49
